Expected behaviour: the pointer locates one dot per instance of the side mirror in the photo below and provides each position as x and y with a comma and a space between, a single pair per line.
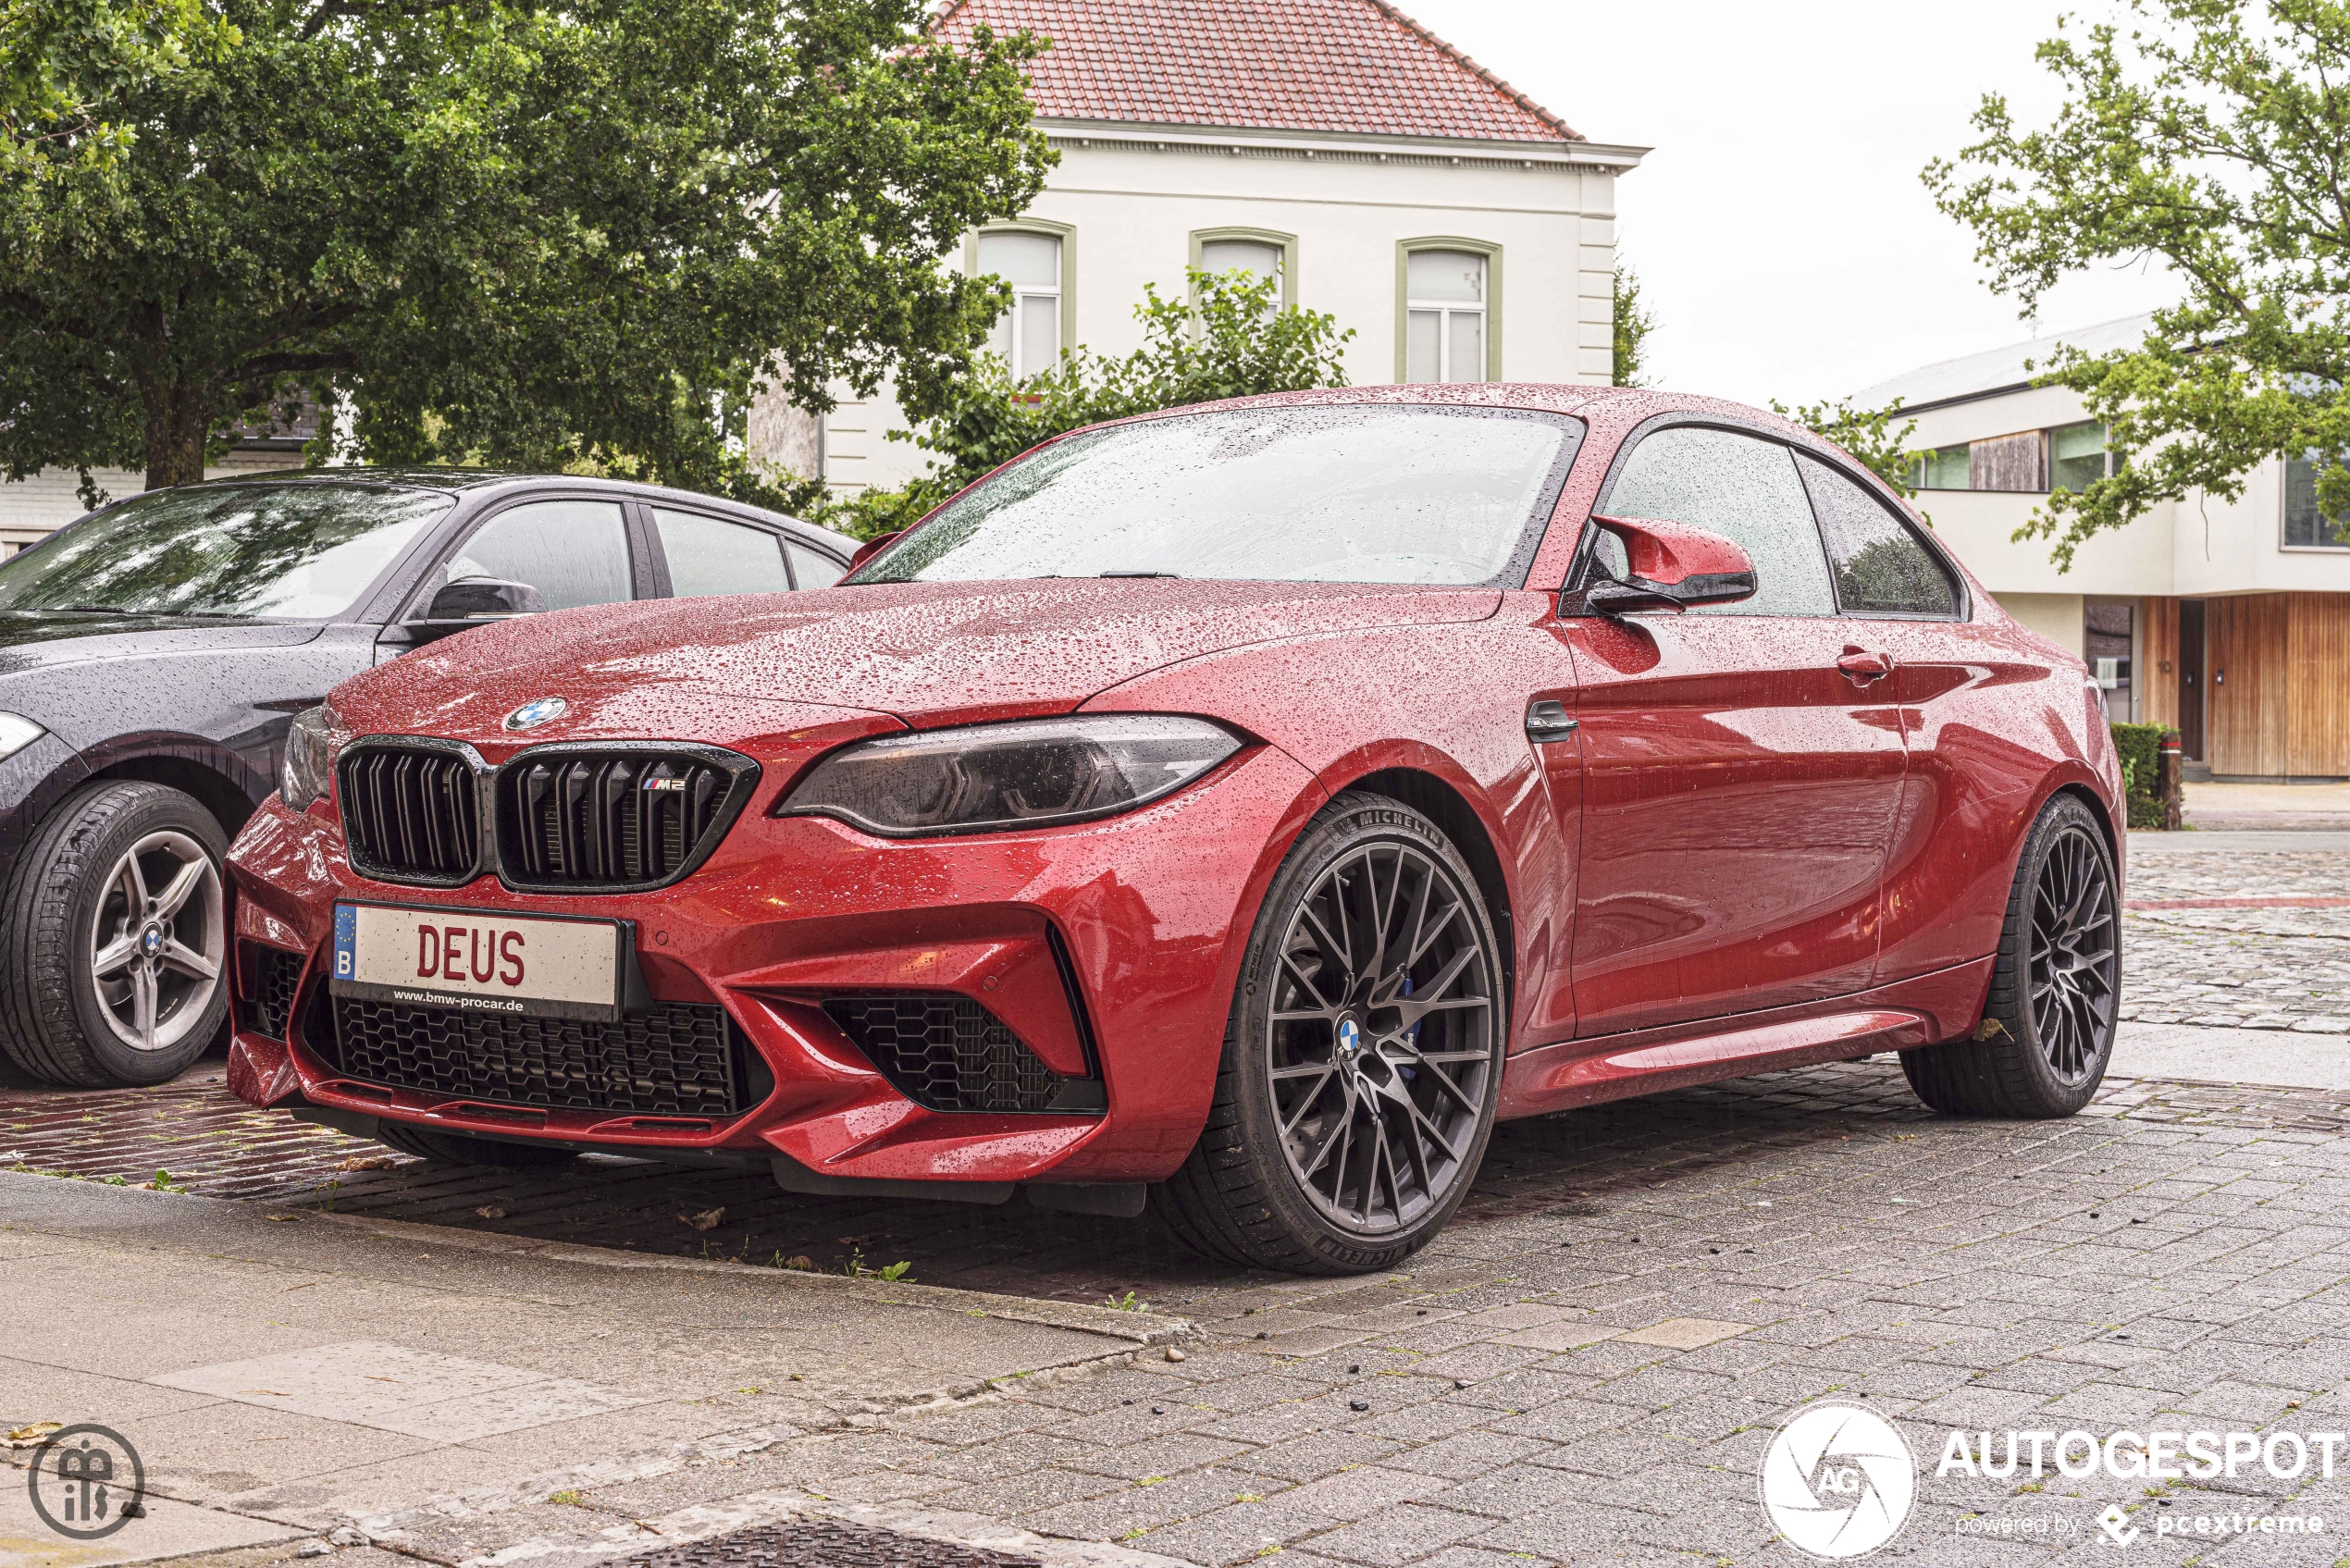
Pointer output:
485, 598
1667, 566
872, 547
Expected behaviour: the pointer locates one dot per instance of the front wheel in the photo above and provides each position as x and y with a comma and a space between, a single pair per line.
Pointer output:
114, 939
1362, 1058
2048, 1028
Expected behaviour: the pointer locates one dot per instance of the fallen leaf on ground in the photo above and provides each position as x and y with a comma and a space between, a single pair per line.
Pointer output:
26, 1436
490, 1211
802, 1262
279, 1218
706, 1220
367, 1161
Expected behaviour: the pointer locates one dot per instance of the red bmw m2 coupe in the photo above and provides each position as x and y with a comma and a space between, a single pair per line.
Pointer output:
1237, 809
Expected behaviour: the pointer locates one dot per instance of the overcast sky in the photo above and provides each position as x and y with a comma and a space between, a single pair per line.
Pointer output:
1779, 228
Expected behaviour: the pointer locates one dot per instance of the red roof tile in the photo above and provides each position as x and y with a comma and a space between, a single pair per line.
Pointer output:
1359, 66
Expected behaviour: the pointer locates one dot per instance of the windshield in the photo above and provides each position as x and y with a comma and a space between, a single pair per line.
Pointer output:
301, 551
1356, 493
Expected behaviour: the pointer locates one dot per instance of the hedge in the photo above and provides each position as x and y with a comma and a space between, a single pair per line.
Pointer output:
2141, 748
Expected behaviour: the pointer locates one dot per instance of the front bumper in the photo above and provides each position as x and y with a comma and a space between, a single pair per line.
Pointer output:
1149, 912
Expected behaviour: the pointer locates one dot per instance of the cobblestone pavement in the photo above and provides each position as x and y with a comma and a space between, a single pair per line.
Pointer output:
2279, 959
1589, 1363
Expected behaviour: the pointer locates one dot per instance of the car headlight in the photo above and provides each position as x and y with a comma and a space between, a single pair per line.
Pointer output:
16, 732
312, 746
1029, 773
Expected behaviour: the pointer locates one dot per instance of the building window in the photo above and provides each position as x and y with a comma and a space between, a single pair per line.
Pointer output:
1944, 468
2077, 457
1445, 309
2305, 526
1260, 250
2106, 640
1029, 336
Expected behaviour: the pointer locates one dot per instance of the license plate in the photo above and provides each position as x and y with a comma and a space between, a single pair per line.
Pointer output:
478, 962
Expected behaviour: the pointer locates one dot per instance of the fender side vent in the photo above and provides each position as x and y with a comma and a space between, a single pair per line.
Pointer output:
946, 1053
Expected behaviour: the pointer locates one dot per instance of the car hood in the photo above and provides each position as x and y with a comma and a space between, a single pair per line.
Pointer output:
39, 639
926, 653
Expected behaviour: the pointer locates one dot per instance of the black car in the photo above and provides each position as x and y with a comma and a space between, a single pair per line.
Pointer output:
152, 655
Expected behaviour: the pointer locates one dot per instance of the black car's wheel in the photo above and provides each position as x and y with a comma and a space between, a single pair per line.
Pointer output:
2048, 1030
114, 939
455, 1148
1362, 1060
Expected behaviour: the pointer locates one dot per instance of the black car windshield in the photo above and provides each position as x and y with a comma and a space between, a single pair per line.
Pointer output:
1345, 493
298, 552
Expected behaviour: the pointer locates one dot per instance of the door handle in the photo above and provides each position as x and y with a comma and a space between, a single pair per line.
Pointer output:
1864, 666
1549, 721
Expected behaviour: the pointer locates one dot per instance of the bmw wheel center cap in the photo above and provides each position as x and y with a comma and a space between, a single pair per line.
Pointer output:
530, 715
1350, 1038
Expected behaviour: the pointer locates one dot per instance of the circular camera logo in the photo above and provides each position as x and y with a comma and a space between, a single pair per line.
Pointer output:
1838, 1482
87, 1482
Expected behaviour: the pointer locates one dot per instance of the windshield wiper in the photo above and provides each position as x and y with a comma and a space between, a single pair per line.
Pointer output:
90, 609
1138, 573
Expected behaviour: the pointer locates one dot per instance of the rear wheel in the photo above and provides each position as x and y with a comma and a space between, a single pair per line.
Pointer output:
2048, 1030
114, 939
455, 1148
1362, 1058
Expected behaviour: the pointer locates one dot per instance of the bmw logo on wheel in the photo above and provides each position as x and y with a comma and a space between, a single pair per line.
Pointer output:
530, 715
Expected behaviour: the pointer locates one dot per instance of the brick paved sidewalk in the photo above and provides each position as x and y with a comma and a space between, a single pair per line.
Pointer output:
1531, 1387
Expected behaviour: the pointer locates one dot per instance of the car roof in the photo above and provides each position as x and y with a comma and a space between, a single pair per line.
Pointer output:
483, 481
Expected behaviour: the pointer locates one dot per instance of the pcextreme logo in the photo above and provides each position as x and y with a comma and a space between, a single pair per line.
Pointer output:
1837, 1482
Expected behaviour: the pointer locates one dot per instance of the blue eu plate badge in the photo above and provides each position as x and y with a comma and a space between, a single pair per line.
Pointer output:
346, 941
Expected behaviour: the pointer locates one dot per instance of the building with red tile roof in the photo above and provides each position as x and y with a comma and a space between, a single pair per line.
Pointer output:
1459, 229
1358, 66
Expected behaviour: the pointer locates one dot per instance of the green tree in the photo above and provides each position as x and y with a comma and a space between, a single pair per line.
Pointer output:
1634, 321
62, 60
1224, 340
510, 233
1868, 434
2211, 136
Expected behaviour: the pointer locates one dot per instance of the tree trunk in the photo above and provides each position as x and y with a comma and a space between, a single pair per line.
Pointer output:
178, 416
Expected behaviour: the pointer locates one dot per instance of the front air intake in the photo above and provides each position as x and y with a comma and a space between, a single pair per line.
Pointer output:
411, 813
576, 819
946, 1053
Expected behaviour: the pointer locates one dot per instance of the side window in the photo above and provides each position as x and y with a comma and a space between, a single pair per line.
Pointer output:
815, 570
1744, 489
1880, 566
573, 552
708, 556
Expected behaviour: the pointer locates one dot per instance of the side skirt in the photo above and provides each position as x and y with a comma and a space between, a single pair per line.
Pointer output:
1921, 1011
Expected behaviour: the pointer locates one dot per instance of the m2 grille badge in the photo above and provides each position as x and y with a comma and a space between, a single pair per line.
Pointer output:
530, 715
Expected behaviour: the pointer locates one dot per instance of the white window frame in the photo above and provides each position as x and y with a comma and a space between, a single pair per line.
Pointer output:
1490, 309
1065, 291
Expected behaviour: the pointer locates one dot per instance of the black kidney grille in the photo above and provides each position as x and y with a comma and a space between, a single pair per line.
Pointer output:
946, 1053
628, 817
680, 1059
271, 976
409, 814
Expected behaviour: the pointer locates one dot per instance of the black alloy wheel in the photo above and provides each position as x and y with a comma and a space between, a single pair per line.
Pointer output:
1361, 1064
2047, 1027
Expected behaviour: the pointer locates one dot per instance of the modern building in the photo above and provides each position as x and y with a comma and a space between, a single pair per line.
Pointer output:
2228, 619
1463, 232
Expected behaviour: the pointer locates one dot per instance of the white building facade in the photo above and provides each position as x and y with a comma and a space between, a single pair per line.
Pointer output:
2229, 620
1459, 230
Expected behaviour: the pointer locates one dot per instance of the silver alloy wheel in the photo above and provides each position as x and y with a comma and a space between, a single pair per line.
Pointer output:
158, 940
1380, 1040
2075, 955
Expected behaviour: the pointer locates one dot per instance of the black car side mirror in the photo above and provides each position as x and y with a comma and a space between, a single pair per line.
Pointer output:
485, 598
